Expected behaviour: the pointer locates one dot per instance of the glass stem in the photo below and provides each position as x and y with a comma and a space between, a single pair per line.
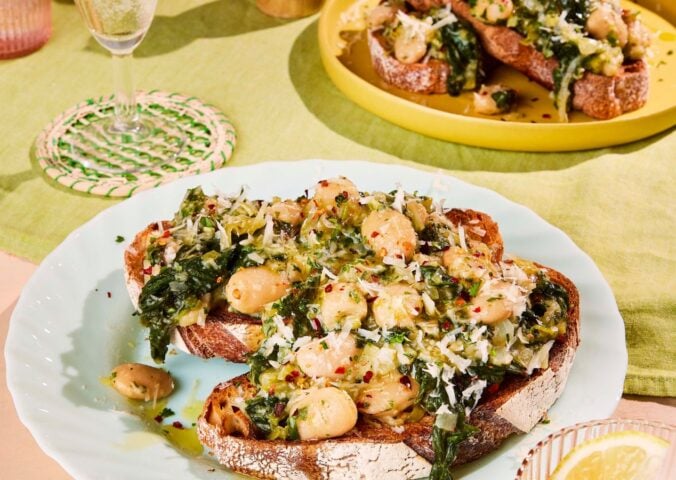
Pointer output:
126, 116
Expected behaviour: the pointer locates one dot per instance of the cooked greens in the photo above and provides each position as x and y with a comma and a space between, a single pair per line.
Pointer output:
465, 57
176, 290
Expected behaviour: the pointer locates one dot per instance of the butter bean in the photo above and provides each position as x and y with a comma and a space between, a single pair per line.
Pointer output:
141, 382
323, 413
250, 289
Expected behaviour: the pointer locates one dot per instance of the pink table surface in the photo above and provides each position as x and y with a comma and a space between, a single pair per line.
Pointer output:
21, 458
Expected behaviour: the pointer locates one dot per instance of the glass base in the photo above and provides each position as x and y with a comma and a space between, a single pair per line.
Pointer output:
102, 144
175, 136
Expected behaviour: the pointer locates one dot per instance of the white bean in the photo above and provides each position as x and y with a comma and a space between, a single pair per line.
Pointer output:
250, 289
463, 264
322, 413
638, 41
287, 212
497, 301
141, 382
493, 11
417, 213
484, 102
326, 192
381, 15
397, 306
606, 21
328, 357
409, 49
389, 396
342, 302
490, 310
390, 234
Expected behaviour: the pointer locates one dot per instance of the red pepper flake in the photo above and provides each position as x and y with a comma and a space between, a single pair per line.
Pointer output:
446, 325
368, 376
158, 419
340, 370
477, 310
166, 234
493, 388
375, 234
546, 115
315, 324
219, 279
361, 404
454, 280
289, 378
295, 373
460, 301
109, 294
324, 183
405, 381
478, 254
178, 425
148, 271
328, 288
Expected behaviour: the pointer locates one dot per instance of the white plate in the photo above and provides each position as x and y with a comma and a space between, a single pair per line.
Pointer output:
66, 332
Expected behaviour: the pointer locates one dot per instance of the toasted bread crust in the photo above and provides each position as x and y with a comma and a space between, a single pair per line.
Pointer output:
429, 77
598, 96
479, 226
376, 451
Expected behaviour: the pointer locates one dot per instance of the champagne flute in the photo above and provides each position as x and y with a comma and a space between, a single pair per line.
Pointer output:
120, 26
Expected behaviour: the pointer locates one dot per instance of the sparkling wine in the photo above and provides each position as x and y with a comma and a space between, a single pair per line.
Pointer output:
118, 25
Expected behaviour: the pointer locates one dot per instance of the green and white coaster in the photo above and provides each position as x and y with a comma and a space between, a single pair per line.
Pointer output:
200, 139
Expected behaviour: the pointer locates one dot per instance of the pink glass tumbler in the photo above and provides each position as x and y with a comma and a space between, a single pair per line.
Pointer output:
25, 26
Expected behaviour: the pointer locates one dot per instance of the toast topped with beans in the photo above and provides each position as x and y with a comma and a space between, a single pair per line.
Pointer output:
395, 338
589, 53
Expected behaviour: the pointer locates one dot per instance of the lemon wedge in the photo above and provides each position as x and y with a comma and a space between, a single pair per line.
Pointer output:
626, 455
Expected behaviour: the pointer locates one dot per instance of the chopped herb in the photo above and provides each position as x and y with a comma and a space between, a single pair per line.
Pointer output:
166, 412
397, 335
504, 99
119, 239
474, 289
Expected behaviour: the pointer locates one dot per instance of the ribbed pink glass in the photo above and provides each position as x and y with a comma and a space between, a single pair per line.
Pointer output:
543, 458
25, 26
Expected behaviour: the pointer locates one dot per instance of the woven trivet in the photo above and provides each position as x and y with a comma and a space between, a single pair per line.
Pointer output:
88, 165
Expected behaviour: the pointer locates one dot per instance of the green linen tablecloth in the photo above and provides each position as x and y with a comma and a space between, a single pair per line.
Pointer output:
617, 204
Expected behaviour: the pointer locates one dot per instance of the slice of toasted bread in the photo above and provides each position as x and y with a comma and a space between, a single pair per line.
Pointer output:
233, 335
427, 77
375, 451
598, 96
225, 334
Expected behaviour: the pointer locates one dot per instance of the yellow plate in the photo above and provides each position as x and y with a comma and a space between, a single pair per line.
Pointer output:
532, 127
